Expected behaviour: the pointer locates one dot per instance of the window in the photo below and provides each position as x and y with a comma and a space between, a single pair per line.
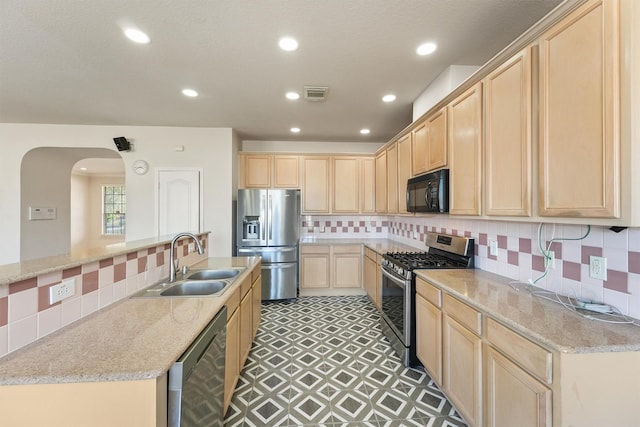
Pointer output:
114, 208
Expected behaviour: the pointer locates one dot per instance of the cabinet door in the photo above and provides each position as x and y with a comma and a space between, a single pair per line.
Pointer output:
286, 173
246, 326
404, 171
256, 315
315, 185
579, 114
368, 185
513, 397
437, 140
346, 267
381, 182
392, 178
465, 143
257, 171
508, 137
429, 337
420, 150
232, 357
314, 267
462, 375
345, 184
370, 278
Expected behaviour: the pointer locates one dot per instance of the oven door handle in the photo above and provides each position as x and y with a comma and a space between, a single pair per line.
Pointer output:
394, 279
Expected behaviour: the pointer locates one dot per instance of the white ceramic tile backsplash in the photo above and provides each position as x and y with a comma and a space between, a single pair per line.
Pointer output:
519, 256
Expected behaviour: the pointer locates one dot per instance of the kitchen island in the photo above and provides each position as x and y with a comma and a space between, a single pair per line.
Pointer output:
110, 368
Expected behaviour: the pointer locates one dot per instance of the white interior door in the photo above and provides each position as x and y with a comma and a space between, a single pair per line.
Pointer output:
179, 201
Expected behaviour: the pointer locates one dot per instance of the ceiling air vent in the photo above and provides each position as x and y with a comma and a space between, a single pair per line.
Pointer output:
315, 93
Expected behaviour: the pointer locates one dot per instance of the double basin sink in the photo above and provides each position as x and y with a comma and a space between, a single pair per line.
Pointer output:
201, 282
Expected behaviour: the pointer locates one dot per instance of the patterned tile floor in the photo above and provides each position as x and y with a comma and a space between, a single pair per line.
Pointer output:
323, 361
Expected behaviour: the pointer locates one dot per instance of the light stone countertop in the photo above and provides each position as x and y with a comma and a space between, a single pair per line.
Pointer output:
380, 246
545, 322
134, 339
18, 271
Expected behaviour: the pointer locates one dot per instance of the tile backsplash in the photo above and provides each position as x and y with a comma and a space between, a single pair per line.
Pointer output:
25, 312
518, 256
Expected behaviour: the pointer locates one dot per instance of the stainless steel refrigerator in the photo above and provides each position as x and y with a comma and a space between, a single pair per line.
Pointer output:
268, 226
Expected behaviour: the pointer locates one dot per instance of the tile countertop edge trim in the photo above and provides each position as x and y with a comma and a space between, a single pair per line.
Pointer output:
518, 327
64, 261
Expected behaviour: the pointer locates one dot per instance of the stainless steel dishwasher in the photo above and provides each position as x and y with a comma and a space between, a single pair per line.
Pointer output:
196, 380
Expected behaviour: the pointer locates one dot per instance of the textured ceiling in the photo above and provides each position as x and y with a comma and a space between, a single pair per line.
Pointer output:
66, 61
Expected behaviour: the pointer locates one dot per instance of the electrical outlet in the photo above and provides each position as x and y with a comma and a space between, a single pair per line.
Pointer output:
192, 247
64, 290
551, 260
598, 267
493, 248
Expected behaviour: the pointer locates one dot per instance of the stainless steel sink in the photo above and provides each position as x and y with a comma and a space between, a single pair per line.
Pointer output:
213, 274
196, 283
195, 287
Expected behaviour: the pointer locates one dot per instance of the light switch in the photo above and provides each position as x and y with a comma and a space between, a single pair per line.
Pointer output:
41, 213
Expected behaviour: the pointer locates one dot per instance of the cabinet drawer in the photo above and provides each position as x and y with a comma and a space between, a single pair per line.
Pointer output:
233, 302
528, 355
464, 314
429, 292
245, 286
314, 249
347, 249
370, 253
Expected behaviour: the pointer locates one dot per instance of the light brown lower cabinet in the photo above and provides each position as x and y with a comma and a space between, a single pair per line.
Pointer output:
512, 396
243, 319
331, 270
429, 329
370, 281
462, 375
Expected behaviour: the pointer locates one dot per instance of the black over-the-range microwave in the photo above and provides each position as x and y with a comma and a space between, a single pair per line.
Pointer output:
429, 192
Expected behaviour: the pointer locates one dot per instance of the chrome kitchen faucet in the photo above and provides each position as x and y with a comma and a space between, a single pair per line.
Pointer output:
172, 265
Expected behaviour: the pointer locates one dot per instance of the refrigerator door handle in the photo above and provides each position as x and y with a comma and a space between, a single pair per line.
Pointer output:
270, 220
262, 217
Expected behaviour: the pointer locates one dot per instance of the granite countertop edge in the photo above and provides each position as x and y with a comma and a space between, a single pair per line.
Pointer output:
536, 336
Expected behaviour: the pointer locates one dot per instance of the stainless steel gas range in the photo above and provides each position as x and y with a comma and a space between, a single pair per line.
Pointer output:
398, 286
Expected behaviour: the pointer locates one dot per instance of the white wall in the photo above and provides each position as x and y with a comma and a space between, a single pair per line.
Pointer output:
206, 148
440, 87
80, 212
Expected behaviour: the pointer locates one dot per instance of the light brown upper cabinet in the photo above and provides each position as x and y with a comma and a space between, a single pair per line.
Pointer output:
367, 185
465, 155
257, 171
392, 178
269, 171
315, 184
430, 144
437, 137
508, 137
404, 170
579, 114
381, 182
345, 184
286, 172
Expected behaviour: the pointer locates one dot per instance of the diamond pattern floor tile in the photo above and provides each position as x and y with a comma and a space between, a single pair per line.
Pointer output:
323, 361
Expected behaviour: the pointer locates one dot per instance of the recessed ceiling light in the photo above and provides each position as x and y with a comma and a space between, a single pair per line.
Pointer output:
190, 93
136, 35
83, 169
295, 130
365, 131
426, 48
389, 98
293, 95
288, 43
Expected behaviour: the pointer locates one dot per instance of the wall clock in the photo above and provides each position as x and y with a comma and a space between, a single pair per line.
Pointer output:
140, 167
